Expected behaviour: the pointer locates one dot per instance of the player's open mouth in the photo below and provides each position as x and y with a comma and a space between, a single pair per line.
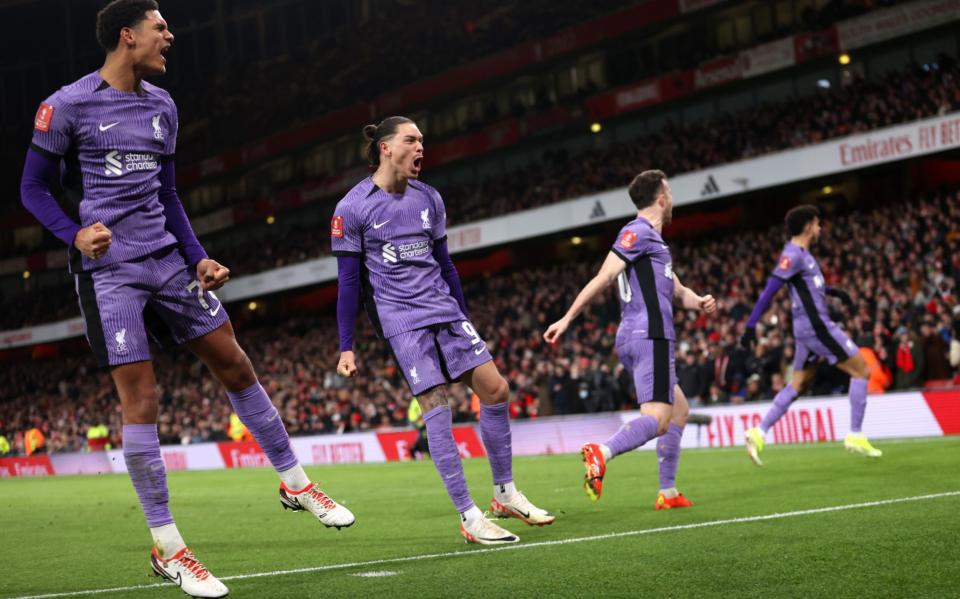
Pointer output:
417, 163
162, 52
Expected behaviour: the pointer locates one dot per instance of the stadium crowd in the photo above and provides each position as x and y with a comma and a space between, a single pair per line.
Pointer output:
899, 264
861, 105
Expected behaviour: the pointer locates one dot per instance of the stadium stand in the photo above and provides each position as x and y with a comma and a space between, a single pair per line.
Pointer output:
907, 314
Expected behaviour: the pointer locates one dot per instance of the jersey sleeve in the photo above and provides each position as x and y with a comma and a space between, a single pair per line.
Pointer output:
53, 126
631, 245
346, 231
173, 127
787, 265
438, 229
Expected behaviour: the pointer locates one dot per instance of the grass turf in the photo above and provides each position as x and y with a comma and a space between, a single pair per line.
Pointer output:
84, 533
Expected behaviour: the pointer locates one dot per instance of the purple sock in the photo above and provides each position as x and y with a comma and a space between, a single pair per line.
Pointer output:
257, 413
668, 452
858, 403
141, 452
446, 456
781, 403
632, 435
497, 440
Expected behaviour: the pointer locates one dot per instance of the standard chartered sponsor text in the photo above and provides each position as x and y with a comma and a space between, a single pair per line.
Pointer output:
140, 162
414, 249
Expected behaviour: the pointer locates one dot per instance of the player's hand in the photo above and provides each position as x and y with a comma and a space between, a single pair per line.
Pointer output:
93, 241
211, 274
347, 366
749, 338
556, 330
708, 305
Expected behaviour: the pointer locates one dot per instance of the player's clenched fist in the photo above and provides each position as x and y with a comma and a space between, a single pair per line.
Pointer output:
556, 330
93, 241
347, 366
211, 274
708, 305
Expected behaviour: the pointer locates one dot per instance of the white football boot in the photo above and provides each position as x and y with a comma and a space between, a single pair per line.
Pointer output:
185, 570
312, 499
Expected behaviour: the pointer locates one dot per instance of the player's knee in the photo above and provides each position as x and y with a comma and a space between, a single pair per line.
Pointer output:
236, 371
663, 425
499, 392
141, 403
680, 415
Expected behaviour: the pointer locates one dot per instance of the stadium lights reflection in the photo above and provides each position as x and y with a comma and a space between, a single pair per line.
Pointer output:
271, 220
252, 306
576, 240
596, 128
844, 59
26, 274
823, 83
827, 190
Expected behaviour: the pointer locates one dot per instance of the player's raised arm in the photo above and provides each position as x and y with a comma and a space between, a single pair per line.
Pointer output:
608, 273
690, 300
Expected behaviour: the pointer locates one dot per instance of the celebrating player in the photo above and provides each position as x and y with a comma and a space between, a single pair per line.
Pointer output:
641, 264
389, 232
815, 334
133, 254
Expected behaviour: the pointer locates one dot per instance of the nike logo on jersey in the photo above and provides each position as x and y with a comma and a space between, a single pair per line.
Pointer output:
479, 350
214, 312
105, 127
378, 225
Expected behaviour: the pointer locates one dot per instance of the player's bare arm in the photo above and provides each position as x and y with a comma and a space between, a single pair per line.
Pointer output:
608, 273
689, 300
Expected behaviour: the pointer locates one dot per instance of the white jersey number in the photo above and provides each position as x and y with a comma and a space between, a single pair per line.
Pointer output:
472, 332
623, 282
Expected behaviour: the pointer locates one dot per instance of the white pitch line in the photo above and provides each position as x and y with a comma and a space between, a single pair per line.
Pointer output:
469, 552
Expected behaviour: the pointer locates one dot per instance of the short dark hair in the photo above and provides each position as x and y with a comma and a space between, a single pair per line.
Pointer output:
119, 14
798, 217
645, 187
374, 134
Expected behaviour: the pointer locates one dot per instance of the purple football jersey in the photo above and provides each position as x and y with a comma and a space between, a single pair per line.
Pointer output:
807, 290
646, 286
394, 235
111, 143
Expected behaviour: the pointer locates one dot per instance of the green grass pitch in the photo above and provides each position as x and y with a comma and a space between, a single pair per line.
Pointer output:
73, 534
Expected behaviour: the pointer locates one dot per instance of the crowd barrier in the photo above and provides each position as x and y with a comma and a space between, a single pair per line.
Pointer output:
816, 420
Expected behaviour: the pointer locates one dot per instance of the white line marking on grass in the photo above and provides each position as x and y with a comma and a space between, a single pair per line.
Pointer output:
469, 552
375, 574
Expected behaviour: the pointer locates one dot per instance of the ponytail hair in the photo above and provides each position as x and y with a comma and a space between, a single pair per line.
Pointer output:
374, 134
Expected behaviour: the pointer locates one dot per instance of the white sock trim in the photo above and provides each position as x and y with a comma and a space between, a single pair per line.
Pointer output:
504, 492
295, 478
607, 454
471, 515
167, 540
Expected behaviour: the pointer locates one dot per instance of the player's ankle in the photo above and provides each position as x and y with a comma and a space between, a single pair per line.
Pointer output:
504, 492
167, 540
670, 493
470, 516
295, 478
607, 454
